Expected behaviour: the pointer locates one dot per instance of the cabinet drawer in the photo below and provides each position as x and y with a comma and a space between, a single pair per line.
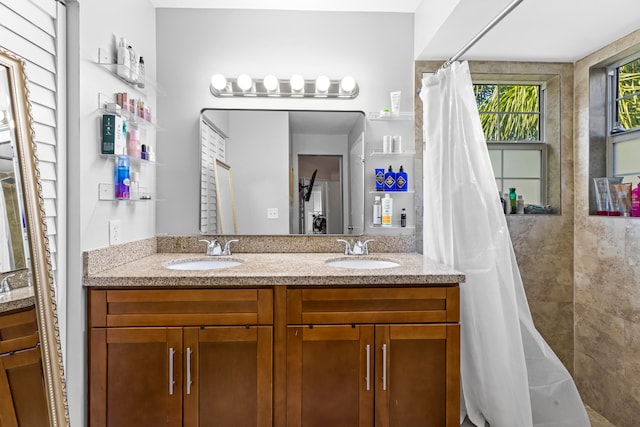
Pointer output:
373, 305
18, 330
184, 307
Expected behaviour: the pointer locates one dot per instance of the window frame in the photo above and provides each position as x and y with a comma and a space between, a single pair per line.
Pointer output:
614, 137
540, 145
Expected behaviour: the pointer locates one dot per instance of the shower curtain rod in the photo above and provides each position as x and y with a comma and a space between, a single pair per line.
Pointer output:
481, 34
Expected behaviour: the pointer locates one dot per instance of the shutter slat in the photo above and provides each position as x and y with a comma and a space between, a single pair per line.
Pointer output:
33, 14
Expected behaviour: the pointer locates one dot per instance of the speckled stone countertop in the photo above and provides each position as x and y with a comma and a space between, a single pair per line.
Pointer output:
269, 269
16, 299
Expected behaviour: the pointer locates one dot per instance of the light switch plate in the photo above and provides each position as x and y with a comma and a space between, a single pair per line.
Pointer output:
272, 213
115, 233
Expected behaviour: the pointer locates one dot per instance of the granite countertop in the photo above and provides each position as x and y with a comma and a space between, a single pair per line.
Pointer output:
16, 299
268, 269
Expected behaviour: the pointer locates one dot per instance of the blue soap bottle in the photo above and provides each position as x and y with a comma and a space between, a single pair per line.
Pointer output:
122, 179
402, 182
390, 180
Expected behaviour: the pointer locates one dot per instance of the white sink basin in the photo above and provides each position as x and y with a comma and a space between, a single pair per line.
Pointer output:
203, 264
361, 263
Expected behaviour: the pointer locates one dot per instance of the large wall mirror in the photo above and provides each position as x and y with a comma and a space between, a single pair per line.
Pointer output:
294, 172
32, 388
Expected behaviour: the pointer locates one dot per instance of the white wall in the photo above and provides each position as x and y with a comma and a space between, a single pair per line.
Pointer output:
376, 48
93, 25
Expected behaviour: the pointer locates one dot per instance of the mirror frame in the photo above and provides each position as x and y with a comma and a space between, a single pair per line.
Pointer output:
40, 259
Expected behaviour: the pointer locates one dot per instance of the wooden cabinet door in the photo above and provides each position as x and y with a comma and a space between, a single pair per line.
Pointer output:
417, 375
228, 376
135, 377
330, 376
22, 392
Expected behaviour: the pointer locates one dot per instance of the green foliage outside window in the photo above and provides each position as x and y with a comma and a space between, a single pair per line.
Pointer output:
628, 97
509, 112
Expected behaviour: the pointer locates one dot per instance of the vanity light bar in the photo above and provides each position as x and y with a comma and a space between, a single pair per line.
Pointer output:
295, 87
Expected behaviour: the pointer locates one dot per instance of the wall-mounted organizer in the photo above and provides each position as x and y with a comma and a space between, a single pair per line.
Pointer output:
384, 151
127, 130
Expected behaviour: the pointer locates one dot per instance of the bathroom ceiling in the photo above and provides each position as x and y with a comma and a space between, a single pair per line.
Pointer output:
537, 30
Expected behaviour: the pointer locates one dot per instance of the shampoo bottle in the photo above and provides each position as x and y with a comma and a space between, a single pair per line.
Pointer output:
377, 211
387, 210
401, 180
390, 180
121, 182
141, 72
513, 200
124, 60
133, 64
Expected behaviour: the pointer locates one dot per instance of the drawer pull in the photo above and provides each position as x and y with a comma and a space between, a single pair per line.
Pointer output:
189, 382
172, 354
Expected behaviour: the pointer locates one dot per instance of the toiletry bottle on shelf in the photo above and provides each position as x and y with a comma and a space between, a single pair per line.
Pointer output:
387, 210
377, 211
141, 73
379, 179
390, 180
133, 143
635, 201
520, 205
122, 178
123, 68
133, 65
403, 218
513, 200
402, 181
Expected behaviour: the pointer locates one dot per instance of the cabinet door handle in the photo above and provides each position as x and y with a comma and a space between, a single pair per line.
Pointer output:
189, 370
384, 366
368, 377
172, 354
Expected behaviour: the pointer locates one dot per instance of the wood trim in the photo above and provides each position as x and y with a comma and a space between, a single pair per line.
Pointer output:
265, 306
265, 377
453, 375
97, 308
294, 376
173, 337
382, 397
181, 319
453, 305
439, 316
98, 378
191, 414
280, 357
294, 306
18, 318
20, 343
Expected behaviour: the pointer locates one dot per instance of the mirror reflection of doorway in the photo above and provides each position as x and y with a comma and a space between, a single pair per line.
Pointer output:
320, 204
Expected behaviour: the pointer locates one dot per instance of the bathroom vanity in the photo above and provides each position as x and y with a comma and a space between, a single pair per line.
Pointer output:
282, 339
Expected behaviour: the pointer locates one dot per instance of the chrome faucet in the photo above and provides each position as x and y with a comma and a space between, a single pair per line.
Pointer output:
359, 247
213, 247
4, 284
227, 247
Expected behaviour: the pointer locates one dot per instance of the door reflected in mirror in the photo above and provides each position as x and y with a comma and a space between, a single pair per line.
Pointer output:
274, 154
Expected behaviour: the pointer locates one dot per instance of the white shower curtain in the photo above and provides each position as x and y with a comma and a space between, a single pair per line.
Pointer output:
510, 376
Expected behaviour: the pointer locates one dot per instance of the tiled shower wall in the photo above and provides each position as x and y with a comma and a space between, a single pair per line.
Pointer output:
607, 272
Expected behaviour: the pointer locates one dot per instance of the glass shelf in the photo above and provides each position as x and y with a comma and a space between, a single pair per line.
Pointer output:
375, 153
107, 192
131, 118
374, 191
106, 61
377, 116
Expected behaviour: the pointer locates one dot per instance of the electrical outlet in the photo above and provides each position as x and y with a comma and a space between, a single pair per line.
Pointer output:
272, 213
115, 232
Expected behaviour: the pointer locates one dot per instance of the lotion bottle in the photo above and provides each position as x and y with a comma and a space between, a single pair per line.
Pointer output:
124, 60
635, 201
387, 210
390, 180
402, 181
377, 211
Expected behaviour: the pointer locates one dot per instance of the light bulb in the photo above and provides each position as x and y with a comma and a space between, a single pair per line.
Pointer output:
347, 84
244, 82
218, 82
270, 83
322, 84
297, 83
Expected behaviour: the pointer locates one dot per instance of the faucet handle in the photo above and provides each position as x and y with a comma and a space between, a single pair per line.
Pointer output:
213, 247
227, 247
347, 246
365, 246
